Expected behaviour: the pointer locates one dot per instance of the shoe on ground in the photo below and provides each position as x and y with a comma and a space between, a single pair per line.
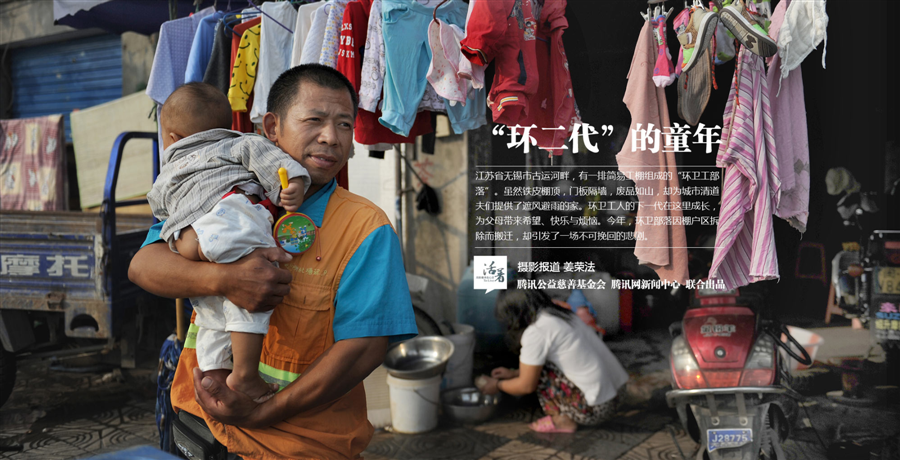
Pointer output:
740, 21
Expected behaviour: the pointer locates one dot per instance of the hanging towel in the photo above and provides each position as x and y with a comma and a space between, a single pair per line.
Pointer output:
664, 247
745, 240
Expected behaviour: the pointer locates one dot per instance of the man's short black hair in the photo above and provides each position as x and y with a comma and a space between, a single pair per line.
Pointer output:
287, 86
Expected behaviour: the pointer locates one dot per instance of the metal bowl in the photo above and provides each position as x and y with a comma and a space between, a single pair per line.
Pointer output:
468, 405
418, 358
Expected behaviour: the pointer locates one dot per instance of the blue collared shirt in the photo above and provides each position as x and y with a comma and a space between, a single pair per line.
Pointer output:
366, 305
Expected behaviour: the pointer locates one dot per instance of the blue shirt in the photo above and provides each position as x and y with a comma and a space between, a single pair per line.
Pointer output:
366, 305
201, 48
171, 57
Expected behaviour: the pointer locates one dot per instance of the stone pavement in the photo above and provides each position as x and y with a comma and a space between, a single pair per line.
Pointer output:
634, 434
55, 415
63, 415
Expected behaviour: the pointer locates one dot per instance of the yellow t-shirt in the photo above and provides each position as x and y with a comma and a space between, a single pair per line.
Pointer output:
243, 75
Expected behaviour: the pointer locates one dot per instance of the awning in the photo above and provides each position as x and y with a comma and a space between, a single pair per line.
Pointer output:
118, 16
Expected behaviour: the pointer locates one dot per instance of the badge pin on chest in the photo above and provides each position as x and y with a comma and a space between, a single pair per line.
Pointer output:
294, 232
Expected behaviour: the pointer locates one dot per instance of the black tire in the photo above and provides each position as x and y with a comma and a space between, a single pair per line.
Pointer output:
815, 381
7, 374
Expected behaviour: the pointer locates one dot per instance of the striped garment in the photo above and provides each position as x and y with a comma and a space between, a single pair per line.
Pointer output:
745, 242
200, 168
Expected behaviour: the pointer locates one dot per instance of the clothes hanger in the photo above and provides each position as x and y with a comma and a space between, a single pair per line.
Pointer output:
236, 19
270, 17
434, 12
656, 11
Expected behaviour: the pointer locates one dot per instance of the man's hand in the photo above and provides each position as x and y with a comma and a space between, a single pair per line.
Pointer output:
292, 196
334, 373
254, 283
223, 403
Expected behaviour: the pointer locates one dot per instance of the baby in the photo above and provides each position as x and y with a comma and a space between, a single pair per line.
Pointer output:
217, 193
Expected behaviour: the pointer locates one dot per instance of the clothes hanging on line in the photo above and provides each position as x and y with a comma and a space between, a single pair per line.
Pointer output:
274, 53
553, 106
664, 248
202, 47
372, 42
332, 35
171, 57
240, 91
301, 30
504, 31
790, 130
468, 69
407, 57
218, 71
246, 64
745, 239
312, 46
532, 85
367, 130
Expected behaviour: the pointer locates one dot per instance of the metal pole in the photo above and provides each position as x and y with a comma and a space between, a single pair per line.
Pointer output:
398, 206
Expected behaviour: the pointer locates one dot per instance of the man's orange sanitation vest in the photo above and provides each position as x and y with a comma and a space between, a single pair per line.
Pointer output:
300, 330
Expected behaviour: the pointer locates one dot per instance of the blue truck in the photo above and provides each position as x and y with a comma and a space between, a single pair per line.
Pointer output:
64, 278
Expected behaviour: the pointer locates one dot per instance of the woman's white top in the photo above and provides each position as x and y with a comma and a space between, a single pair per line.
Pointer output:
578, 351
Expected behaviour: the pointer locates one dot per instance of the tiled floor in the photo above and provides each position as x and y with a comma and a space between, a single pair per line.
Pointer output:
633, 435
58, 415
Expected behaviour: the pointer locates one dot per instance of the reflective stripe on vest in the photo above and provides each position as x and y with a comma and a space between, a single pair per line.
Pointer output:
269, 374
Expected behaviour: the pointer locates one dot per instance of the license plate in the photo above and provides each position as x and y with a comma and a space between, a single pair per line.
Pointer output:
888, 280
724, 439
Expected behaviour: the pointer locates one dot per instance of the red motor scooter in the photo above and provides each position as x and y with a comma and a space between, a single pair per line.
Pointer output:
732, 387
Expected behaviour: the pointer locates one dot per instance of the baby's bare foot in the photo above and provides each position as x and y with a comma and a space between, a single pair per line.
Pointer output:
253, 386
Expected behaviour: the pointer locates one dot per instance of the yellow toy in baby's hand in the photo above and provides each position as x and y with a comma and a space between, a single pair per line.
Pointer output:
294, 232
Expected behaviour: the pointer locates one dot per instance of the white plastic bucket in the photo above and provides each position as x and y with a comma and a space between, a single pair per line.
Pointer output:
459, 368
808, 339
414, 404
